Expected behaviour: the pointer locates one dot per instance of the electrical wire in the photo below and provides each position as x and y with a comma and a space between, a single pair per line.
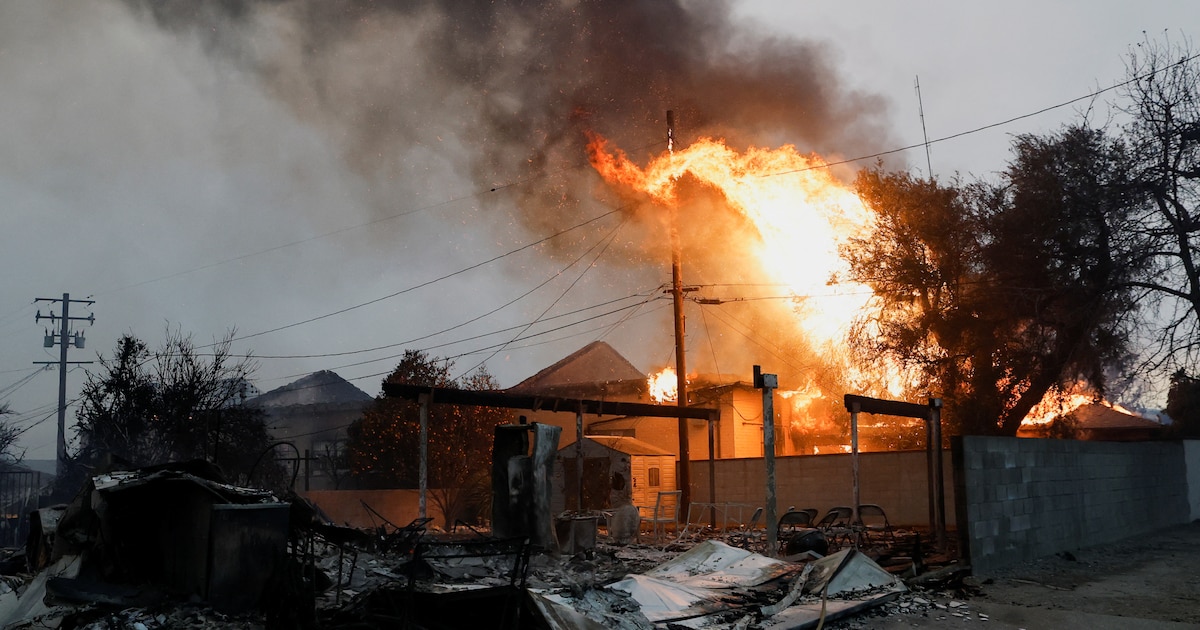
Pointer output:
548, 280
427, 282
612, 235
9, 389
989, 126
504, 330
398, 215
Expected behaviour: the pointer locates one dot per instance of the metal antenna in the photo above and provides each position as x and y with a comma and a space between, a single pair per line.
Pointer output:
924, 134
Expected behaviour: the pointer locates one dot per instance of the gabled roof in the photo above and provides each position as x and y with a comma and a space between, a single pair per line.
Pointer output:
595, 364
1106, 418
318, 388
628, 445
621, 444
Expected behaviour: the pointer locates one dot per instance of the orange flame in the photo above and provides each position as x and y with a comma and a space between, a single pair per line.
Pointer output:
801, 215
664, 386
1053, 407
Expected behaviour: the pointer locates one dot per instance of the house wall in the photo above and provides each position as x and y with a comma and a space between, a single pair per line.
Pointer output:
318, 431
1020, 499
895, 481
742, 424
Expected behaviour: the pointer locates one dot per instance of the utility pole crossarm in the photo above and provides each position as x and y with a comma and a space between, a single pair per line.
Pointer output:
62, 339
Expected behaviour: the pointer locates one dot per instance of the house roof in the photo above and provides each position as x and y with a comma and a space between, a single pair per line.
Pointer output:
616, 424
1095, 416
623, 444
595, 364
318, 388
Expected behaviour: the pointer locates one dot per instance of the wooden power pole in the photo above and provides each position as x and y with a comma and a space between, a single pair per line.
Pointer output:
685, 475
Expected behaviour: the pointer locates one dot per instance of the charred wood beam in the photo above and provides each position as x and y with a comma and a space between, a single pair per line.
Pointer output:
886, 407
451, 396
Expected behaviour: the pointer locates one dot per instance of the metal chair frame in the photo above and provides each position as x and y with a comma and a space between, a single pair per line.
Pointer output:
658, 519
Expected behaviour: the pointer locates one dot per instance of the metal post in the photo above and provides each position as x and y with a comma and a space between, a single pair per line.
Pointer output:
307, 471
579, 458
855, 408
935, 415
712, 477
931, 453
423, 399
768, 383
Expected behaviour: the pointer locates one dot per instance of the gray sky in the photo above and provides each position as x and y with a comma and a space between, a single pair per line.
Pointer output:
254, 171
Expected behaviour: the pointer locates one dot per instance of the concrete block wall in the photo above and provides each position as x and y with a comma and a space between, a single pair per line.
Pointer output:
895, 481
1191, 455
1021, 499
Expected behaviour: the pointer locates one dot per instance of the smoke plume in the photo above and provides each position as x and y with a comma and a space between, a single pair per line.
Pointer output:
504, 91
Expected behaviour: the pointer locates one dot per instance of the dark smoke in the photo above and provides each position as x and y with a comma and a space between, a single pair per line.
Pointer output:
503, 90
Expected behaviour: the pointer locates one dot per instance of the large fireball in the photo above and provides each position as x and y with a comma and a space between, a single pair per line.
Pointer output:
799, 212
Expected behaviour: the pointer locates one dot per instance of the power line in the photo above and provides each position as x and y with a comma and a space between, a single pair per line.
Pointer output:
519, 326
990, 126
398, 215
612, 235
428, 282
456, 326
6, 391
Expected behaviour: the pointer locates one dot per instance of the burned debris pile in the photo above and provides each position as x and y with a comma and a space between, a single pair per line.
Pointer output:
175, 546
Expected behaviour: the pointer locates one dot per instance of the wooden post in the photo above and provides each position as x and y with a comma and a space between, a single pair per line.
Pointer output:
684, 475
423, 399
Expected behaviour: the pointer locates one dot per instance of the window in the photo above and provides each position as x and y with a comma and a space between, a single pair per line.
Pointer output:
653, 478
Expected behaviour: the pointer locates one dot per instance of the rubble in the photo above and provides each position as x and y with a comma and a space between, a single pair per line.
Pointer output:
178, 547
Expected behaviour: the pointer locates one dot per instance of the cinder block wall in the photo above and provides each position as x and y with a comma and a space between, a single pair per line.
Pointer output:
1021, 499
895, 481
1191, 454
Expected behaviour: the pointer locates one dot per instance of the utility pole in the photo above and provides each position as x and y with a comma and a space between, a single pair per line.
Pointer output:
685, 475
768, 383
65, 340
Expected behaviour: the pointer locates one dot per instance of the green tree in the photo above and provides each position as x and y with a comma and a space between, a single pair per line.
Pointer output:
997, 294
171, 404
383, 446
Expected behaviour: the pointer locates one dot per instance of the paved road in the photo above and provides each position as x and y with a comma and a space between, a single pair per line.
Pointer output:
1150, 581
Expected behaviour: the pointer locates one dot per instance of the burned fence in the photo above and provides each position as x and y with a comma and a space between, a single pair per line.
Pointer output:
19, 491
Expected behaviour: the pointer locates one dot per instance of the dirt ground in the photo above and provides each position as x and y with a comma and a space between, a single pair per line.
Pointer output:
1150, 581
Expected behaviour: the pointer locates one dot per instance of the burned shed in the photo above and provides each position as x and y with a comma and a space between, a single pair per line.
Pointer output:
617, 471
179, 527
